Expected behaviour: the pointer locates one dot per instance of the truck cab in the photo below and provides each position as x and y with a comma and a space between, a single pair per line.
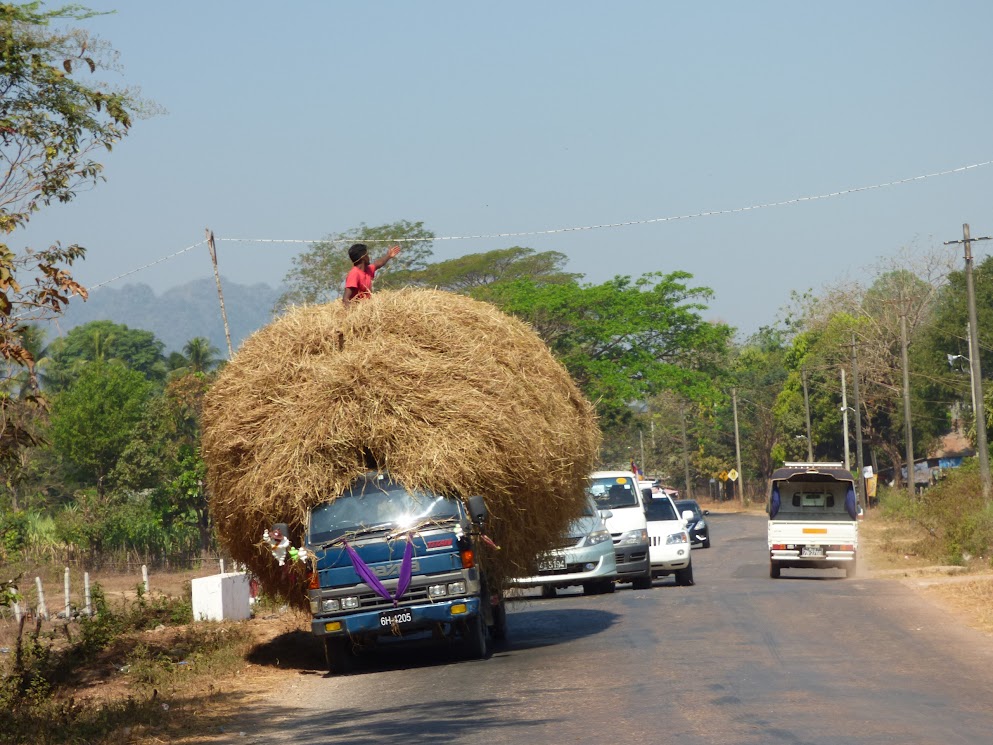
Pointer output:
619, 493
813, 518
399, 564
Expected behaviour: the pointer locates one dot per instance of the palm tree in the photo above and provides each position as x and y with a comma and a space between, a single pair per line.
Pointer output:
201, 354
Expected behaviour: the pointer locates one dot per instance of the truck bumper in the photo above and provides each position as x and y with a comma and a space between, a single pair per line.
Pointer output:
422, 617
631, 560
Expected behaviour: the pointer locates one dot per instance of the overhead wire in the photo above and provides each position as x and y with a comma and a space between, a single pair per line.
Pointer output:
604, 226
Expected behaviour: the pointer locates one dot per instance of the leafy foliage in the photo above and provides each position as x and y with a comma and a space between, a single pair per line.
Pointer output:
95, 418
106, 341
625, 340
474, 273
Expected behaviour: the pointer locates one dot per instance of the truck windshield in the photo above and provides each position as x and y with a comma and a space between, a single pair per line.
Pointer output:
812, 501
613, 492
378, 504
659, 509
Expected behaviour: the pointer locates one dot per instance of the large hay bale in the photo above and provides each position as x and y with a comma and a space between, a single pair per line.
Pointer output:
447, 393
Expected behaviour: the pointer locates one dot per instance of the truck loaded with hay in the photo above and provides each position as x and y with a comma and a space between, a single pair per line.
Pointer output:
423, 447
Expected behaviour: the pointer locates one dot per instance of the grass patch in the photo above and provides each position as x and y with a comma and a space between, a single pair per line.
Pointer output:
136, 668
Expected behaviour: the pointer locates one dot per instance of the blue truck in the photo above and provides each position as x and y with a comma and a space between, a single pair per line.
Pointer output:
399, 564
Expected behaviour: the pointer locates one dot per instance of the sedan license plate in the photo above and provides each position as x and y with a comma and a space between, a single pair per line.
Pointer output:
812, 551
551, 563
396, 618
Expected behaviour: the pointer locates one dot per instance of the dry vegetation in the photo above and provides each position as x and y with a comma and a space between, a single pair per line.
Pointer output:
448, 394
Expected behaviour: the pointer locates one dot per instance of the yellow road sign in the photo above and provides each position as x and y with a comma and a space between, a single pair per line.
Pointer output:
733, 475
723, 475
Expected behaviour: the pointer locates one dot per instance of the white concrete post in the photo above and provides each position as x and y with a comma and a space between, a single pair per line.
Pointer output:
42, 610
68, 604
222, 566
86, 594
144, 576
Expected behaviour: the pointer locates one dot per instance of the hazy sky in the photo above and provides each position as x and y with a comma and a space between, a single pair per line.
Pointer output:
304, 119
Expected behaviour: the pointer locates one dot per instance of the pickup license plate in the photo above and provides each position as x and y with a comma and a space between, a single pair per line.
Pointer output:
551, 563
812, 551
399, 618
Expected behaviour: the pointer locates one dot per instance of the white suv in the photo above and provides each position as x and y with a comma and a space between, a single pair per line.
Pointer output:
669, 542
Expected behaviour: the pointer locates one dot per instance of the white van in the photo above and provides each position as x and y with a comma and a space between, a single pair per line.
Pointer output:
618, 492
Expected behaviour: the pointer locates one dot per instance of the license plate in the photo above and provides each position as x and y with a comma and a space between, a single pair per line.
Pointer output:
399, 618
815, 551
552, 563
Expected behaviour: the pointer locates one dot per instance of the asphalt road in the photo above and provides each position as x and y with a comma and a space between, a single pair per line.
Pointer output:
810, 659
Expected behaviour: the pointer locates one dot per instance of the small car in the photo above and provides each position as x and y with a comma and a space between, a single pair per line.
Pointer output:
697, 526
668, 540
586, 558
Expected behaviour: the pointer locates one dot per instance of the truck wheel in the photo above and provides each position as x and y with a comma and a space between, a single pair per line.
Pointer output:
474, 638
591, 588
498, 630
684, 577
547, 592
644, 582
850, 569
339, 654
774, 570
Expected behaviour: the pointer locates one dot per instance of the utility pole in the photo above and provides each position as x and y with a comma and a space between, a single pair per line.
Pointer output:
641, 442
737, 446
686, 453
977, 373
907, 423
220, 295
806, 408
860, 464
844, 417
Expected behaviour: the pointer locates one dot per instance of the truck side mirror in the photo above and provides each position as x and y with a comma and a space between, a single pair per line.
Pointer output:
477, 509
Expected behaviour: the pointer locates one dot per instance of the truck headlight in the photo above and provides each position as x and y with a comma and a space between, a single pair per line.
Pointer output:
330, 606
677, 538
456, 588
596, 537
633, 537
350, 602
437, 591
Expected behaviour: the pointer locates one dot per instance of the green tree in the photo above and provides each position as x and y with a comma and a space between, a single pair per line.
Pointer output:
625, 340
473, 273
94, 419
201, 355
105, 341
318, 274
51, 122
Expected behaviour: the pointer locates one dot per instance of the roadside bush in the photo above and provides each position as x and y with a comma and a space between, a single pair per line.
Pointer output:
14, 528
957, 523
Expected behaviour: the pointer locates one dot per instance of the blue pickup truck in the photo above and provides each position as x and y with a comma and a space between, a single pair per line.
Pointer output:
399, 564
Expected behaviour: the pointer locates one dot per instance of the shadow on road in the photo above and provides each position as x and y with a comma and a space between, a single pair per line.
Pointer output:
526, 629
447, 720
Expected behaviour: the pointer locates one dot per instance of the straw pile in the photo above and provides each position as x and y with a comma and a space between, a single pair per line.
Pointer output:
446, 393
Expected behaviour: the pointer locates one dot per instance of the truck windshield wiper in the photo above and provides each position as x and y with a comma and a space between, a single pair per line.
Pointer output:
358, 532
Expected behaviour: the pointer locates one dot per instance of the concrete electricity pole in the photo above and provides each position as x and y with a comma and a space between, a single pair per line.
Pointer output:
977, 373
860, 464
806, 408
737, 446
911, 490
844, 417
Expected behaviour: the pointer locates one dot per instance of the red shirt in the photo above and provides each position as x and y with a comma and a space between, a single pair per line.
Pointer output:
361, 281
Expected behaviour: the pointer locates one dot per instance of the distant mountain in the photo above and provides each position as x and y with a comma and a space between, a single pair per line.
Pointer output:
180, 313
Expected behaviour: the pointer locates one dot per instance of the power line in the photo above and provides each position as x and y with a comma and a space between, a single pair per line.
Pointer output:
604, 226
654, 220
